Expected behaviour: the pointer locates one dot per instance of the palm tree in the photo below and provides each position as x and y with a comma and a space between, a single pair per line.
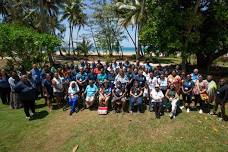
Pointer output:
84, 47
132, 13
73, 12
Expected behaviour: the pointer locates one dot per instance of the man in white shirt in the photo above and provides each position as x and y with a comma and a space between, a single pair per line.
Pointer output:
156, 99
151, 80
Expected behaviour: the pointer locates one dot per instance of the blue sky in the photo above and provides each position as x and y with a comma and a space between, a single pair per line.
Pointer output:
85, 31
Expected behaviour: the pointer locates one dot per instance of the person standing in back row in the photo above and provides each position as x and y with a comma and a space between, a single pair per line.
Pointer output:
221, 98
27, 95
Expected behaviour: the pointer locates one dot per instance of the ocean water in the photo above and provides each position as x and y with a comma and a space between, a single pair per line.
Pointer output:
126, 50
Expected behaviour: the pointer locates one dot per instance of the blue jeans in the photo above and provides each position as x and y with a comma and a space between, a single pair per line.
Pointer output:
73, 103
136, 101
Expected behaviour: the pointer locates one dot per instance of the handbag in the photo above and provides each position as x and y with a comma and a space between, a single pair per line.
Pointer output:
204, 96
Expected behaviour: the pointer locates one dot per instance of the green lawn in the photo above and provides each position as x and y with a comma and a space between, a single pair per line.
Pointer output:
58, 132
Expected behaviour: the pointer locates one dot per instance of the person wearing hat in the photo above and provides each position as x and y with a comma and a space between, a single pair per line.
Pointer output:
187, 87
156, 99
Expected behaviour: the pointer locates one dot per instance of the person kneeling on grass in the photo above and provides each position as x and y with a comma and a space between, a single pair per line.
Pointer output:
104, 94
90, 92
73, 91
156, 99
173, 97
136, 97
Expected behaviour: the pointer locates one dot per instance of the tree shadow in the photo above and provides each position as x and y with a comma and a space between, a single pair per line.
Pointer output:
40, 115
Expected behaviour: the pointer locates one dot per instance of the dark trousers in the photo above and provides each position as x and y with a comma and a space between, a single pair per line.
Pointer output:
199, 100
5, 95
29, 105
187, 98
218, 101
157, 108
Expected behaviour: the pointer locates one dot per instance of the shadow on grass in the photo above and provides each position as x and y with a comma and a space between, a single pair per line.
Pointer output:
39, 106
40, 115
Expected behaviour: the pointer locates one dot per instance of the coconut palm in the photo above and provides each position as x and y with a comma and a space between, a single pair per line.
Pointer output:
73, 12
132, 13
84, 47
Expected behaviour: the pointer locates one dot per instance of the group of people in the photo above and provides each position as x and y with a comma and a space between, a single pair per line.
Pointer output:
118, 86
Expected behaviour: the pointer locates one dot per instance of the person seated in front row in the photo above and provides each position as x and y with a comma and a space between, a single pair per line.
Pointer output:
90, 92
119, 97
136, 97
173, 98
73, 91
156, 99
104, 94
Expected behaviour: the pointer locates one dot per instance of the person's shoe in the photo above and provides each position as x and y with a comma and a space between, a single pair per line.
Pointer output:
171, 116
182, 107
200, 111
32, 114
131, 112
188, 110
174, 117
220, 119
71, 113
212, 113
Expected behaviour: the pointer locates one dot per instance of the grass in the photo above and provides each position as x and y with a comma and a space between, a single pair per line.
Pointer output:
58, 132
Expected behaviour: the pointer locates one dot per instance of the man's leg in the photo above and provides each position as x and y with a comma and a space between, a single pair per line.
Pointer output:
32, 106
132, 100
223, 110
159, 108
155, 105
26, 109
139, 101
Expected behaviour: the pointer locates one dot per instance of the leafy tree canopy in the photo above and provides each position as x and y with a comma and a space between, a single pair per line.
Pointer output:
19, 42
197, 27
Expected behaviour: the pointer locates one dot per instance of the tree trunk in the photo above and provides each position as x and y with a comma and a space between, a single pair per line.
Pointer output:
51, 61
134, 42
69, 38
189, 29
94, 41
60, 52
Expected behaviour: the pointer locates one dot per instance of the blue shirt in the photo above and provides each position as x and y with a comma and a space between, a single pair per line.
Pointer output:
188, 85
81, 76
90, 91
194, 77
36, 75
101, 77
141, 79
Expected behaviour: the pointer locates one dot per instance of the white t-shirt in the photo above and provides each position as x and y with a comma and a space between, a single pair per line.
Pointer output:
59, 85
151, 82
156, 96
